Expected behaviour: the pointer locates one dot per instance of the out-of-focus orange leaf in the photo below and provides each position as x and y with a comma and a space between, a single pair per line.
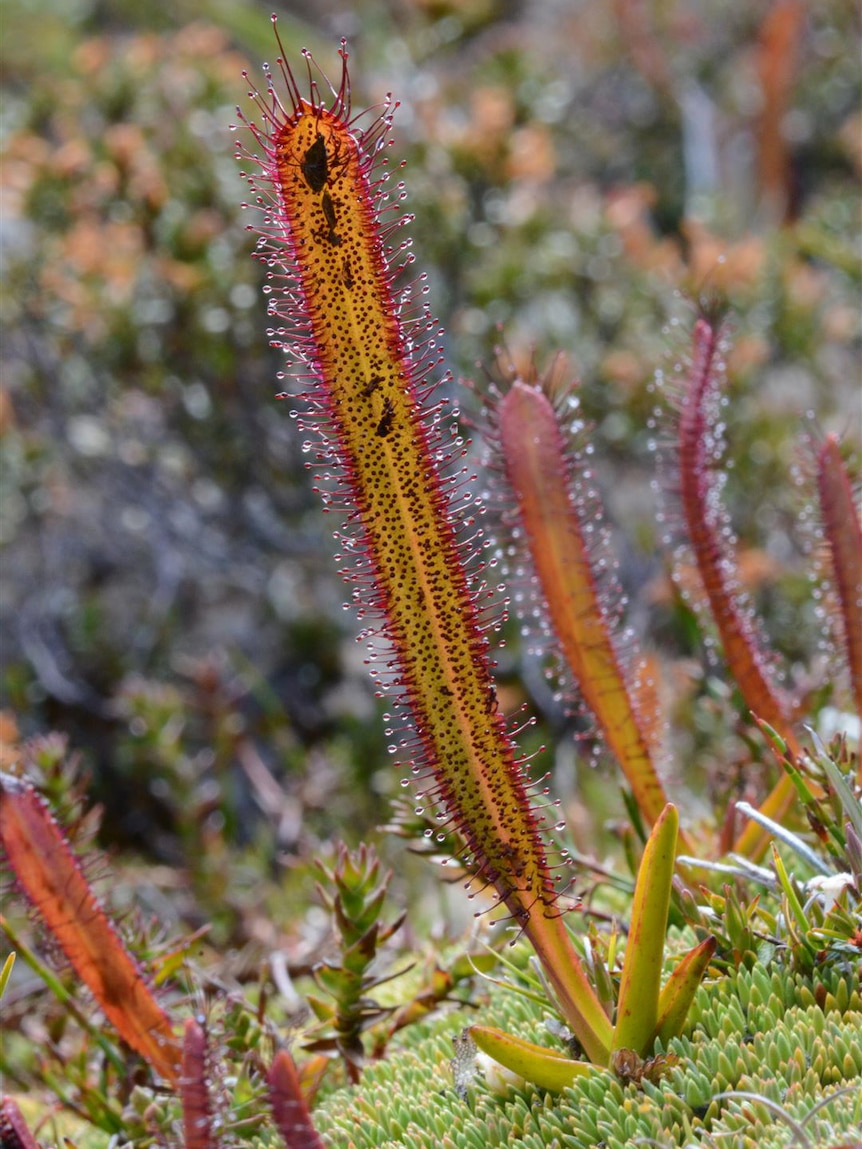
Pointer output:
776, 67
52, 878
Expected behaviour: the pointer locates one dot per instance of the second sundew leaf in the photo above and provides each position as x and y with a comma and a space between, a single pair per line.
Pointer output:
14, 1131
349, 325
538, 466
289, 1105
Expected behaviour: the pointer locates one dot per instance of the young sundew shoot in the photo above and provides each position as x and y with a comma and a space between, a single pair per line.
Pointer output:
365, 346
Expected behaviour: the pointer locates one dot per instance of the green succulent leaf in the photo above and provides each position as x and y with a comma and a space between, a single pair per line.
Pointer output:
790, 892
6, 972
638, 1004
535, 1063
839, 783
678, 993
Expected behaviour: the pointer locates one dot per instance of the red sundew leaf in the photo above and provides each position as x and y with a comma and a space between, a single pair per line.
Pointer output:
194, 1091
289, 1109
367, 348
742, 646
14, 1133
538, 469
843, 533
715, 565
51, 876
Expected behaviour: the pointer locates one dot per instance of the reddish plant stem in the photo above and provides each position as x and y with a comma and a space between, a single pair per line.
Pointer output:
289, 1108
194, 1091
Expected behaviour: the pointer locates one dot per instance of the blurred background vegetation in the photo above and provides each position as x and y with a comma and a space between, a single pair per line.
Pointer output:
579, 171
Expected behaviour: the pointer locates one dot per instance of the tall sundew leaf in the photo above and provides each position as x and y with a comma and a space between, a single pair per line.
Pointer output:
366, 348
543, 502
699, 440
842, 532
51, 876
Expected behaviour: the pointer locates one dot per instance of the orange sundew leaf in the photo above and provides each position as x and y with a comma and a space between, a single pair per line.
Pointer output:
367, 354
843, 533
538, 468
311, 1075
646, 697
51, 876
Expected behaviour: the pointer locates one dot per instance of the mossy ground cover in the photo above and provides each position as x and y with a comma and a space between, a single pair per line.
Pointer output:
793, 1039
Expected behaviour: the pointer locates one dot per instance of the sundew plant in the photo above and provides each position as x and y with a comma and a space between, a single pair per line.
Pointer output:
634, 1048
